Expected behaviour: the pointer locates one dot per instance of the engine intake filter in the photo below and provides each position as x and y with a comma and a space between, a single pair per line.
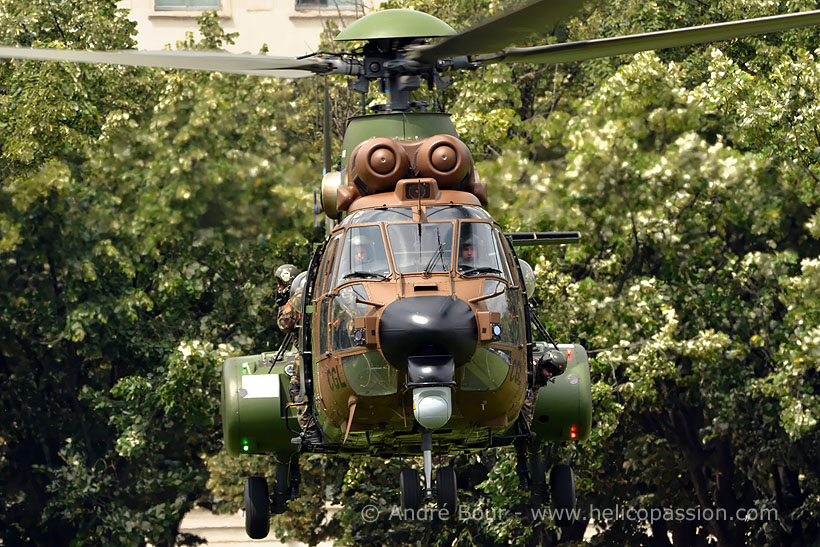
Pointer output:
446, 159
376, 165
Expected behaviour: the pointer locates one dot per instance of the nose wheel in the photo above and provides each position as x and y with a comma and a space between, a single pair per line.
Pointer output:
410, 485
447, 490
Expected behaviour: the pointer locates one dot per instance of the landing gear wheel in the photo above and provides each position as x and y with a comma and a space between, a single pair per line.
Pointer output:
447, 490
410, 484
562, 490
257, 508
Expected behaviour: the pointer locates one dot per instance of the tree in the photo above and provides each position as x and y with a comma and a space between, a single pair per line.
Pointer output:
143, 212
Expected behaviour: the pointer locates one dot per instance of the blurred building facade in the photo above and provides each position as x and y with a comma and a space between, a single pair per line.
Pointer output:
288, 27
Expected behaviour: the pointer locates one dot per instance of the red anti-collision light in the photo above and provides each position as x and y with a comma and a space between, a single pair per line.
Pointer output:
573, 432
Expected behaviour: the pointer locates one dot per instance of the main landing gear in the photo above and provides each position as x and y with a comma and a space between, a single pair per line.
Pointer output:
446, 491
260, 504
257, 508
533, 461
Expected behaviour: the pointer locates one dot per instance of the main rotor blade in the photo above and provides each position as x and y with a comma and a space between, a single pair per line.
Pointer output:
494, 33
260, 65
606, 47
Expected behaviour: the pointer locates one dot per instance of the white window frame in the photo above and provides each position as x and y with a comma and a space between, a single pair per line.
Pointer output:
224, 12
332, 5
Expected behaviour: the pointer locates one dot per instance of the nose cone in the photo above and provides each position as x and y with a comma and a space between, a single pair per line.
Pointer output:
427, 325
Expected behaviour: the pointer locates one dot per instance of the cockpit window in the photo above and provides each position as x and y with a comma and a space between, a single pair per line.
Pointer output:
363, 255
327, 267
455, 212
478, 251
424, 247
394, 214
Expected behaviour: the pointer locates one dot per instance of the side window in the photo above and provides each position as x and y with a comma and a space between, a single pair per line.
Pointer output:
513, 260
506, 256
508, 306
478, 250
363, 255
323, 332
343, 311
326, 268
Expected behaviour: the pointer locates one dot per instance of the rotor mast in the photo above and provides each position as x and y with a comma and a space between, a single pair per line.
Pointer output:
391, 37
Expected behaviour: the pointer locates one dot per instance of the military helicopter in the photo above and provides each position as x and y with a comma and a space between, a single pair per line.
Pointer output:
416, 325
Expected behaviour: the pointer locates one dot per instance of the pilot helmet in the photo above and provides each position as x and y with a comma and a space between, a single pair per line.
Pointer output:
285, 273
364, 242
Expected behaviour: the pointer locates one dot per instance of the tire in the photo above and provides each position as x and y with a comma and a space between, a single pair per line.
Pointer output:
447, 490
257, 508
562, 490
410, 486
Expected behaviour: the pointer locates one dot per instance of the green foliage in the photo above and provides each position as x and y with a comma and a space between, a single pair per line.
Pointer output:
696, 197
142, 213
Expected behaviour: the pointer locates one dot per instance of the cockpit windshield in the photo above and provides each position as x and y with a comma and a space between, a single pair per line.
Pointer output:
478, 251
383, 214
453, 212
363, 255
424, 247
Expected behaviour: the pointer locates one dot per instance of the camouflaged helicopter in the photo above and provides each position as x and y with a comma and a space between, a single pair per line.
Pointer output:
416, 325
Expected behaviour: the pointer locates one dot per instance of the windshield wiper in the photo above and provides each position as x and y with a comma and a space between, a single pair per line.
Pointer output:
480, 270
365, 274
439, 253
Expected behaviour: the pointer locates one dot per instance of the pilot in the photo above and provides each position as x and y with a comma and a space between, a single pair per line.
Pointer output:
288, 322
361, 249
363, 258
467, 253
290, 312
284, 277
